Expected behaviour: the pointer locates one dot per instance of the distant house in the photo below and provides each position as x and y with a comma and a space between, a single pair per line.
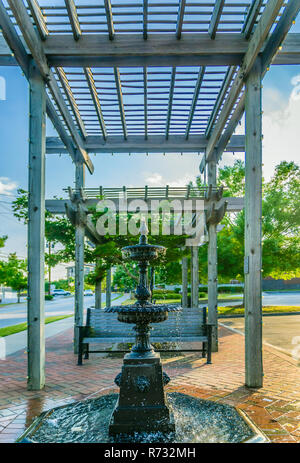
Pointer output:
87, 269
280, 284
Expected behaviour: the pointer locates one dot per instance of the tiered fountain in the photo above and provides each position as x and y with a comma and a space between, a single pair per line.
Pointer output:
142, 404
141, 412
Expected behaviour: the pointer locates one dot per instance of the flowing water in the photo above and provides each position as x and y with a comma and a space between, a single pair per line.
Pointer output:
196, 420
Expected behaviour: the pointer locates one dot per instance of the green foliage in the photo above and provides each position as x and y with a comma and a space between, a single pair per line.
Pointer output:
125, 276
13, 274
280, 225
48, 297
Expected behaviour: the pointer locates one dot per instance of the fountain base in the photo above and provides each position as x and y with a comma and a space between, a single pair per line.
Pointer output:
142, 405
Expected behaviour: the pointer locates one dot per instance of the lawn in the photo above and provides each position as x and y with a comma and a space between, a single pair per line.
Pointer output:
8, 330
266, 309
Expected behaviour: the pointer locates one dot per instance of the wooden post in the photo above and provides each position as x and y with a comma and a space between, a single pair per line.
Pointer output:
98, 294
212, 258
184, 263
108, 288
195, 277
79, 262
36, 231
253, 237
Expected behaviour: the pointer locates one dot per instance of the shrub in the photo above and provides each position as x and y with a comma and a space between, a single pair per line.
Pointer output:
48, 297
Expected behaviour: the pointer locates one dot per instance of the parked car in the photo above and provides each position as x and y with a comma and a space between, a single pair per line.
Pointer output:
60, 292
88, 292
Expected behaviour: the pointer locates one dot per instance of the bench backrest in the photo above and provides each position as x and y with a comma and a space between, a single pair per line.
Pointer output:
188, 322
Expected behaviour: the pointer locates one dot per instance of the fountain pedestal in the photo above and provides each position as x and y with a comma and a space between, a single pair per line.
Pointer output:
142, 404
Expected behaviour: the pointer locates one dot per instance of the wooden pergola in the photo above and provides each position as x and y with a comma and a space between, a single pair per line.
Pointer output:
146, 77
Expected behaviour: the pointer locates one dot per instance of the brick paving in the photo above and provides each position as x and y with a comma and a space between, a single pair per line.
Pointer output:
275, 408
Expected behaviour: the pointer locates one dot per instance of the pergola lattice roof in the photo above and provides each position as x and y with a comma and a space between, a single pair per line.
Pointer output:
136, 71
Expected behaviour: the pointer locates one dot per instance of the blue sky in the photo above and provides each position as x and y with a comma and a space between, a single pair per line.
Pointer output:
281, 106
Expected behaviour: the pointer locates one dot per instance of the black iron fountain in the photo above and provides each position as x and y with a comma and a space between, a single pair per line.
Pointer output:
142, 404
142, 412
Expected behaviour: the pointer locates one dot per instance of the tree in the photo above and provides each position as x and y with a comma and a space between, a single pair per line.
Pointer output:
2, 263
15, 274
280, 225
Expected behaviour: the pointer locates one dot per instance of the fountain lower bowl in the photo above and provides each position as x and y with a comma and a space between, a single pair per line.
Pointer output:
196, 420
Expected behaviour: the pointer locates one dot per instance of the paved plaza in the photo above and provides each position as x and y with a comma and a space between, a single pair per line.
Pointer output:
275, 408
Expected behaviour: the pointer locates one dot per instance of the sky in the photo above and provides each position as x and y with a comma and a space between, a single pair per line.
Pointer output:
281, 116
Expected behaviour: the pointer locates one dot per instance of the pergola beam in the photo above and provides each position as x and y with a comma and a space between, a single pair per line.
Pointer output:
256, 42
138, 144
35, 46
251, 18
58, 206
158, 50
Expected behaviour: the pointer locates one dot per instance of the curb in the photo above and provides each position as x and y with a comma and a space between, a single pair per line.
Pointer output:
264, 315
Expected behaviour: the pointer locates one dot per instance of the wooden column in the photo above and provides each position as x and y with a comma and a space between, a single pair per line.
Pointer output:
98, 294
195, 277
79, 261
184, 267
212, 258
108, 288
253, 237
36, 231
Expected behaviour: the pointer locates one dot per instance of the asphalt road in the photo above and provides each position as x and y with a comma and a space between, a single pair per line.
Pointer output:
282, 332
281, 299
16, 313
61, 305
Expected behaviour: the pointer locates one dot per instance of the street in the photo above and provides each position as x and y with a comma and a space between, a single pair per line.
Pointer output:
61, 305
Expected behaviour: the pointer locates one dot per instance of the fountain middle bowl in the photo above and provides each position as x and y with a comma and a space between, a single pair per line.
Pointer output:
143, 313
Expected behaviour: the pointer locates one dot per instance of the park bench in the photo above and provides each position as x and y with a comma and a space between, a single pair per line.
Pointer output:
189, 325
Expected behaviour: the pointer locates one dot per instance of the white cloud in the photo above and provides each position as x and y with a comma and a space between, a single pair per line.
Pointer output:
281, 140
156, 179
7, 186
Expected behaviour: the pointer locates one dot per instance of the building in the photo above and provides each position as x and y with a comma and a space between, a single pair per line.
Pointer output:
87, 269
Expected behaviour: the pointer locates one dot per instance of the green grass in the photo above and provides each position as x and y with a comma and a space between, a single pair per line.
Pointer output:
282, 291
267, 309
178, 299
8, 330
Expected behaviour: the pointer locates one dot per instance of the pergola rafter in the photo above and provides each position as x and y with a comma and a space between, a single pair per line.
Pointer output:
215, 19
73, 17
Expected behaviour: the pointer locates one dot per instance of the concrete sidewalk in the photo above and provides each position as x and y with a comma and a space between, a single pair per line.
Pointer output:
15, 342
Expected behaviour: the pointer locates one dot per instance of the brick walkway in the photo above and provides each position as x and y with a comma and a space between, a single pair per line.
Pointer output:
275, 408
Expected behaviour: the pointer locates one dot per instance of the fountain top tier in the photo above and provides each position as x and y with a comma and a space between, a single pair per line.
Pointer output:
143, 253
